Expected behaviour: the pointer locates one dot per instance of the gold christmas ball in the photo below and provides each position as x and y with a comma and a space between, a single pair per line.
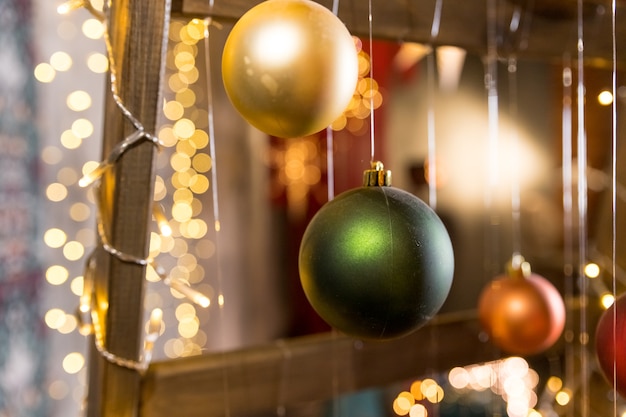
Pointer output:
289, 67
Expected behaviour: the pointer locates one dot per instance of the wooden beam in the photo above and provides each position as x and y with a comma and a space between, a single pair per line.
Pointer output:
305, 370
543, 30
137, 30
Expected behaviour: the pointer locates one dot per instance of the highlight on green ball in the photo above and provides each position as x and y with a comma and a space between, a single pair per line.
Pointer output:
376, 262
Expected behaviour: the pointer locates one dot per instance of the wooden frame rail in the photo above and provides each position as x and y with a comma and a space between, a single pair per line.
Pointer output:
136, 31
545, 30
306, 370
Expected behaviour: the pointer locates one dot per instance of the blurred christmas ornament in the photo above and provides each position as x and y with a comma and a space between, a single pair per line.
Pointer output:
289, 67
522, 312
611, 350
376, 262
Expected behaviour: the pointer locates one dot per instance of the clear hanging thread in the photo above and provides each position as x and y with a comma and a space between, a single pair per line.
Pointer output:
581, 144
431, 121
371, 100
568, 221
516, 235
215, 195
330, 141
491, 241
614, 195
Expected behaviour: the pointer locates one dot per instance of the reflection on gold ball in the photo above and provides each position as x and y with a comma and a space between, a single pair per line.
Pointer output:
289, 67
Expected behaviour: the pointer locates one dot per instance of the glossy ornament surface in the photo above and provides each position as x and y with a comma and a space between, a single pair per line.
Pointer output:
289, 67
376, 262
611, 351
522, 312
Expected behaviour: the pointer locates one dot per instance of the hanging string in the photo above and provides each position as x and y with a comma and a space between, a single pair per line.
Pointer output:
516, 235
284, 361
491, 241
568, 225
211, 132
582, 212
614, 196
371, 52
330, 172
330, 140
215, 195
431, 143
434, 28
330, 163
430, 86
335, 7
491, 85
491, 82
431, 165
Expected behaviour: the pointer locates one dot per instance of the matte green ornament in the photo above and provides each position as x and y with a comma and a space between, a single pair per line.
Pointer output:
376, 262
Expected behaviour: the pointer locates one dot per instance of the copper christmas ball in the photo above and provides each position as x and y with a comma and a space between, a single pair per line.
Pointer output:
376, 262
289, 67
611, 351
522, 314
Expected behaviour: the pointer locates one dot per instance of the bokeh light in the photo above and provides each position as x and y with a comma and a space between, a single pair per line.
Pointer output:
73, 362
61, 61
44, 73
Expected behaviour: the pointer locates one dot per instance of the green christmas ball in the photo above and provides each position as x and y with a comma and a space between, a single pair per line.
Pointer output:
376, 262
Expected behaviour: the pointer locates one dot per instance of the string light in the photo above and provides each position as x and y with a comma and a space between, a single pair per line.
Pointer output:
185, 129
116, 152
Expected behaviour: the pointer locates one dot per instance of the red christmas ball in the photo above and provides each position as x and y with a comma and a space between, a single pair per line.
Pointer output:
523, 315
610, 350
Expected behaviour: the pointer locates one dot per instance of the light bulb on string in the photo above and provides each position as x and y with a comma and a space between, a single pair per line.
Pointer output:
72, 5
162, 222
152, 333
191, 294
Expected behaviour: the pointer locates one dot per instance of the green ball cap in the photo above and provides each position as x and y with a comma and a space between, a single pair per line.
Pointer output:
376, 262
